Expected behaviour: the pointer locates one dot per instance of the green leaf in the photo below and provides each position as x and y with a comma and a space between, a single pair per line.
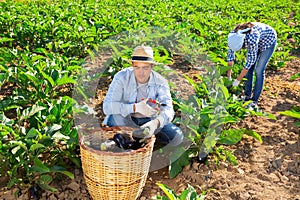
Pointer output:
37, 57
291, 113
253, 134
183, 195
230, 157
224, 90
33, 79
48, 78
296, 109
32, 133
231, 136
36, 146
15, 149
295, 76
5, 103
264, 114
161, 197
51, 129
44, 182
62, 170
179, 159
40, 50
5, 39
51, 118
210, 140
74, 68
271, 116
18, 144
80, 90
28, 112
60, 136
76, 161
64, 80
169, 192
39, 166
12, 182
225, 120
5, 130
5, 120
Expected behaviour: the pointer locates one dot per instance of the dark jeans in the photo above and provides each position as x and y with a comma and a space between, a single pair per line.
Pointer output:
259, 67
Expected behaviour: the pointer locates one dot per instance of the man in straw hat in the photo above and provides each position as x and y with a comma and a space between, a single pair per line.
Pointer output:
140, 97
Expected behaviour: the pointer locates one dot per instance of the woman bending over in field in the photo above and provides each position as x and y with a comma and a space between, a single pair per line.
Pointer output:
260, 40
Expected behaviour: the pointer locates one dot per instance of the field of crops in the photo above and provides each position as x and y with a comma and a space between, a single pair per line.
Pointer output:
45, 79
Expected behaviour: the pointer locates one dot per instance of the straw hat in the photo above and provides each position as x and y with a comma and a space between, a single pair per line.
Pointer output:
142, 54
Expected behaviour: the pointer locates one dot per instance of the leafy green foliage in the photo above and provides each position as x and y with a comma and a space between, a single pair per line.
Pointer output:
30, 153
208, 115
188, 194
294, 112
230, 137
225, 155
179, 159
295, 76
43, 45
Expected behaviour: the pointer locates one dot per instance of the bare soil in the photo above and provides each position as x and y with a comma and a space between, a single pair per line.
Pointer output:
270, 170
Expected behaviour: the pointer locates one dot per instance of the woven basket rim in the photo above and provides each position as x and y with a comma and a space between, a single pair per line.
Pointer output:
110, 153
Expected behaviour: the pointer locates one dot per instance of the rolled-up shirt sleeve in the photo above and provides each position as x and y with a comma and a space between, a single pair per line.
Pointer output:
230, 55
113, 102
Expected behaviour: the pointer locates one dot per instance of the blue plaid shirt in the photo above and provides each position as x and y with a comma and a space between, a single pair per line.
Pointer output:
260, 38
122, 94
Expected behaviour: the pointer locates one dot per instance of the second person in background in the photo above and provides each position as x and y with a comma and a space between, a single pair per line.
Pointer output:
260, 40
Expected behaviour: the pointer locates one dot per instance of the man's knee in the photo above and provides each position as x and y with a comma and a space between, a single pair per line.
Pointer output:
177, 139
115, 120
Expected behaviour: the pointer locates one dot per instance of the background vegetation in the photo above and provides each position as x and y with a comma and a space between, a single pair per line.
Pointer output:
42, 49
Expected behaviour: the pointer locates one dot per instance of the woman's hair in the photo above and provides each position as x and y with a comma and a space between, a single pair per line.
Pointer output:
243, 26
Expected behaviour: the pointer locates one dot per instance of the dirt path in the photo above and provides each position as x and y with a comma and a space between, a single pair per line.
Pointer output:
270, 170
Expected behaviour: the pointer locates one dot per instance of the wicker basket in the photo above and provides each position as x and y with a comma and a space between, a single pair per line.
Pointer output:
114, 175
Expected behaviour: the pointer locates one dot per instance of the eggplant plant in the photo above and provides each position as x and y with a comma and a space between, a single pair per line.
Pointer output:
189, 193
208, 116
43, 46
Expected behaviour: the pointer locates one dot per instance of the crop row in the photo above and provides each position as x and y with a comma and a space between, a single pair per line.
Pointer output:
43, 47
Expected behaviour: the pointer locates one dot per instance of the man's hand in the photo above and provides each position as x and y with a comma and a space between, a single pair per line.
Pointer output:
235, 83
151, 126
144, 109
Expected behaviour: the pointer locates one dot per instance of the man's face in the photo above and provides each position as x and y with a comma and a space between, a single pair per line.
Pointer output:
142, 71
